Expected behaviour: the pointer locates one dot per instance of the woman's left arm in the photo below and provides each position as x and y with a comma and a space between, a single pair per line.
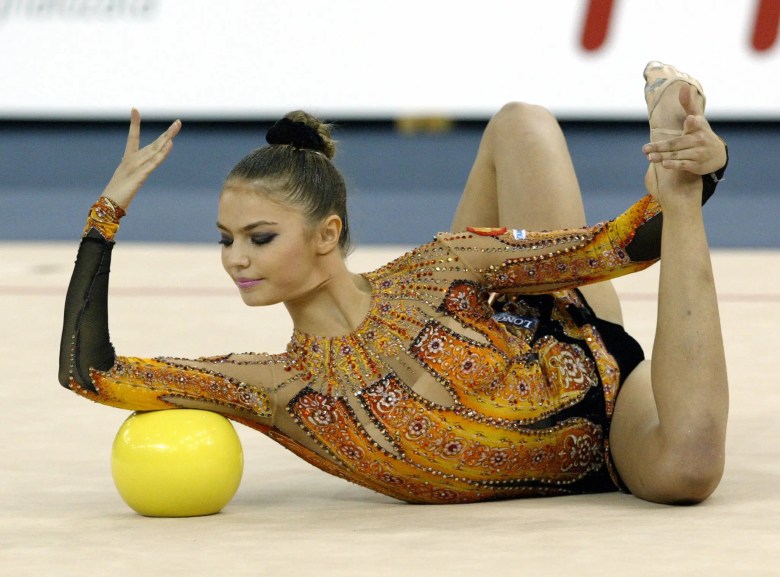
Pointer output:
538, 262
518, 261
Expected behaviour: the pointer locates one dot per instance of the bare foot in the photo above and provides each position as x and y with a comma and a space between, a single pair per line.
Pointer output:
663, 84
665, 88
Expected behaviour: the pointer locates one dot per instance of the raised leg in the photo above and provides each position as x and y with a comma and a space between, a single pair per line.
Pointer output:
669, 426
523, 177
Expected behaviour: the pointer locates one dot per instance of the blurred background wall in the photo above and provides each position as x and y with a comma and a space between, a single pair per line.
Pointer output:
410, 85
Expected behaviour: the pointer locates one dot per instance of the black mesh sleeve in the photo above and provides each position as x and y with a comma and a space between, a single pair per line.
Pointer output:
85, 340
647, 242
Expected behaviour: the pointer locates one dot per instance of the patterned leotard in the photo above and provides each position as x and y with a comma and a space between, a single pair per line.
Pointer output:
443, 394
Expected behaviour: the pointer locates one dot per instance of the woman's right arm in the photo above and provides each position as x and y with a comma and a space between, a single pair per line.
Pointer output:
85, 342
90, 368
88, 363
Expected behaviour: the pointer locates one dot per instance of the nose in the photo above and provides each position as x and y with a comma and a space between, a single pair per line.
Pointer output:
235, 256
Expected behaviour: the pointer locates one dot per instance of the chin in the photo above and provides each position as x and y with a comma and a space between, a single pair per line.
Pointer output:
251, 300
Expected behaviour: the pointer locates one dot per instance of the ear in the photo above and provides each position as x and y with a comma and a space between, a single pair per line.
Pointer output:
329, 234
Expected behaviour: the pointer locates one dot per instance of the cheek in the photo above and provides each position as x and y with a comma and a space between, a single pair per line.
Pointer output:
285, 263
223, 258
292, 264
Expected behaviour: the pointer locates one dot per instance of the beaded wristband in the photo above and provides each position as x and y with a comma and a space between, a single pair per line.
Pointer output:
104, 218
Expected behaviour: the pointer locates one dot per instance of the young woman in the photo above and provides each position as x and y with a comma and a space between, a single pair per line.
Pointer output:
489, 363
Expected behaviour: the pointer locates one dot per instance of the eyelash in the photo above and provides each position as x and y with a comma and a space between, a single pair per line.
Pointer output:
257, 240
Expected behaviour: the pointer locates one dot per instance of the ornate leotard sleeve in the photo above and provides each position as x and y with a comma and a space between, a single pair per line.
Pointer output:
89, 366
518, 261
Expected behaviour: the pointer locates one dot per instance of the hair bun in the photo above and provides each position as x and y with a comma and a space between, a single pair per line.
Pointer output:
295, 133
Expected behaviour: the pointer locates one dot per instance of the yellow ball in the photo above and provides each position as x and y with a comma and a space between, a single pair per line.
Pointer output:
177, 463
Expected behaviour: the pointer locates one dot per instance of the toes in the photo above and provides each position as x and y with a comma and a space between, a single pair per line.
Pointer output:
651, 66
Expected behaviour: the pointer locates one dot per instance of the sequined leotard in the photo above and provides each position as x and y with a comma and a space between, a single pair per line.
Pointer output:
439, 395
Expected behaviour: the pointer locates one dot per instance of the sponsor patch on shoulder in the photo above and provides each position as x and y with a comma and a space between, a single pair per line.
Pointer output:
485, 231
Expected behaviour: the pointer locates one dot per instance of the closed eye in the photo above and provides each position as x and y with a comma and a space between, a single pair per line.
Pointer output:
265, 238
257, 239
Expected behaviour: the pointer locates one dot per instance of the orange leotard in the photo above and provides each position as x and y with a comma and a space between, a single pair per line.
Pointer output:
442, 394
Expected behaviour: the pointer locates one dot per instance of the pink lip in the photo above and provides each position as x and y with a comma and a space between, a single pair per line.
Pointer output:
247, 283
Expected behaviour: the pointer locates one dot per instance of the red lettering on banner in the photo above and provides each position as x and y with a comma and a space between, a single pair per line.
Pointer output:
598, 17
766, 24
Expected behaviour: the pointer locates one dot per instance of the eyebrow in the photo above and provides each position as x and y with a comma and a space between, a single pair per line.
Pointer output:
249, 226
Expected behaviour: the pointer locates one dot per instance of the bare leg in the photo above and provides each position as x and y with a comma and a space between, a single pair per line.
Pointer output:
669, 426
523, 177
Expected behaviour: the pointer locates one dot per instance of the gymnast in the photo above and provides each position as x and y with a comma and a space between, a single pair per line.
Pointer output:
490, 363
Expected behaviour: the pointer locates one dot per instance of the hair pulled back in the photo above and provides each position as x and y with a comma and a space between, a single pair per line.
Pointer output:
295, 168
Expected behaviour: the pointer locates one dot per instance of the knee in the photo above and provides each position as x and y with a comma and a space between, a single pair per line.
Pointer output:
518, 123
520, 117
691, 476
694, 485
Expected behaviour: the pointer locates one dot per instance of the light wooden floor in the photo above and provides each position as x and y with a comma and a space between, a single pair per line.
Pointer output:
60, 513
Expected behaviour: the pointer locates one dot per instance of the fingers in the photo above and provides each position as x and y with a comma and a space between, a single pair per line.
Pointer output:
168, 136
138, 164
681, 153
162, 145
698, 150
691, 103
672, 148
134, 135
686, 100
151, 155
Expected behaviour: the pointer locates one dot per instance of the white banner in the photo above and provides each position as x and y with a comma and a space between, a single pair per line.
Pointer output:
342, 59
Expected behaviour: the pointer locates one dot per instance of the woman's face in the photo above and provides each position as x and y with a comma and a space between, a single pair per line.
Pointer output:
268, 249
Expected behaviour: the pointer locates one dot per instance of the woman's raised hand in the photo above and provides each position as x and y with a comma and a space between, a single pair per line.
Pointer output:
138, 163
698, 150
